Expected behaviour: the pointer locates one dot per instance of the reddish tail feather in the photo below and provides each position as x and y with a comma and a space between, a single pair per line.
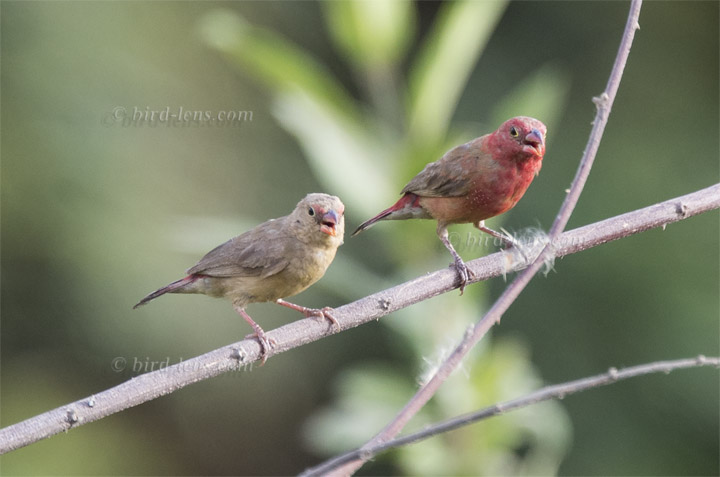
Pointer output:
368, 223
405, 208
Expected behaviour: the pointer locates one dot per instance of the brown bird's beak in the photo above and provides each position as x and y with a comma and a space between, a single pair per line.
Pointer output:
328, 223
535, 142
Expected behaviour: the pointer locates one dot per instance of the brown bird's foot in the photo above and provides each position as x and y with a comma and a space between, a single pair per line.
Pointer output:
259, 333
325, 313
265, 342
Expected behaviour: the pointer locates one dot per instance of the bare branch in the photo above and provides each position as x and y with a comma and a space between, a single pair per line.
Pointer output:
604, 104
557, 391
235, 356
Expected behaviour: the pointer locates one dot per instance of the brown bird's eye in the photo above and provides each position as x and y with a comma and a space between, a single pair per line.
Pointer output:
311, 211
514, 132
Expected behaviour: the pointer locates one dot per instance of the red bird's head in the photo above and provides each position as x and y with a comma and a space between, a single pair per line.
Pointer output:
522, 136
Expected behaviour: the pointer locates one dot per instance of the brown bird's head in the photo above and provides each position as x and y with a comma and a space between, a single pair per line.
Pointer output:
523, 136
320, 218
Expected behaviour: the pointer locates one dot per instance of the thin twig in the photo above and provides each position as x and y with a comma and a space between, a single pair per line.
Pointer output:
556, 391
146, 387
604, 104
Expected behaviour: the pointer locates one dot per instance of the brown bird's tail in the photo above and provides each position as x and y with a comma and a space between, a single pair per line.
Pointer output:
408, 207
171, 288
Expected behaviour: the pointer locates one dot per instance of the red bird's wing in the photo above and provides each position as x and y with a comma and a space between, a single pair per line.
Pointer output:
449, 176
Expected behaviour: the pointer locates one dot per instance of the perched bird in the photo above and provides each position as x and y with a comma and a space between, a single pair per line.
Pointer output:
473, 182
277, 259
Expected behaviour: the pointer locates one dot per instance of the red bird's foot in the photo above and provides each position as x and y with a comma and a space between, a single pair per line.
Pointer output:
324, 313
462, 269
464, 273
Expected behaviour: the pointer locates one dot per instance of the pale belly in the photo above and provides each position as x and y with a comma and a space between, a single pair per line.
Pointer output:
299, 274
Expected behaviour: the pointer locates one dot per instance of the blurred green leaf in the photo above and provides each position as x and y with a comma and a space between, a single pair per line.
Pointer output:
542, 95
274, 60
447, 58
500, 370
367, 397
343, 156
373, 33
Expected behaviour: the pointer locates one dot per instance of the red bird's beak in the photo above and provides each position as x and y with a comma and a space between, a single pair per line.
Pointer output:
328, 223
535, 143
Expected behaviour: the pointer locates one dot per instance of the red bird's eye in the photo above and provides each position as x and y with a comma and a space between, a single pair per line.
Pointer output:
514, 132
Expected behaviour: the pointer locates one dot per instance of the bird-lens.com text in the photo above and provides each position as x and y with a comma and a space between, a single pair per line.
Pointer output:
174, 117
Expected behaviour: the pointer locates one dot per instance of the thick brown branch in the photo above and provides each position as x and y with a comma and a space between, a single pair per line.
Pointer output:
233, 357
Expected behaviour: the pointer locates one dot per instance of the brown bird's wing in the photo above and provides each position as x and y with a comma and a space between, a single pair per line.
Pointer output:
448, 176
260, 252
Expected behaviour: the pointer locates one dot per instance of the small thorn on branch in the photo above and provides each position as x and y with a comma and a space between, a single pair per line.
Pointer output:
601, 101
682, 209
71, 417
239, 355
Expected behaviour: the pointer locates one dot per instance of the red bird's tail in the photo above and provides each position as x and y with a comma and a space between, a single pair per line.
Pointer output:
408, 207
370, 222
171, 288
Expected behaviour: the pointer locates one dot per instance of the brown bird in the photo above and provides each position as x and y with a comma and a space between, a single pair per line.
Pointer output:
277, 259
473, 182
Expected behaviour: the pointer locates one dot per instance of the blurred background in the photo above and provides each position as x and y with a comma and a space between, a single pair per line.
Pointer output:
102, 204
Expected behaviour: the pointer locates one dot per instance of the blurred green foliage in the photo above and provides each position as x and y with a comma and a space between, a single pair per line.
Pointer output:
351, 98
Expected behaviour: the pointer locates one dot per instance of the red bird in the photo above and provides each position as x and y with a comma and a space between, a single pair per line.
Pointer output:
473, 182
